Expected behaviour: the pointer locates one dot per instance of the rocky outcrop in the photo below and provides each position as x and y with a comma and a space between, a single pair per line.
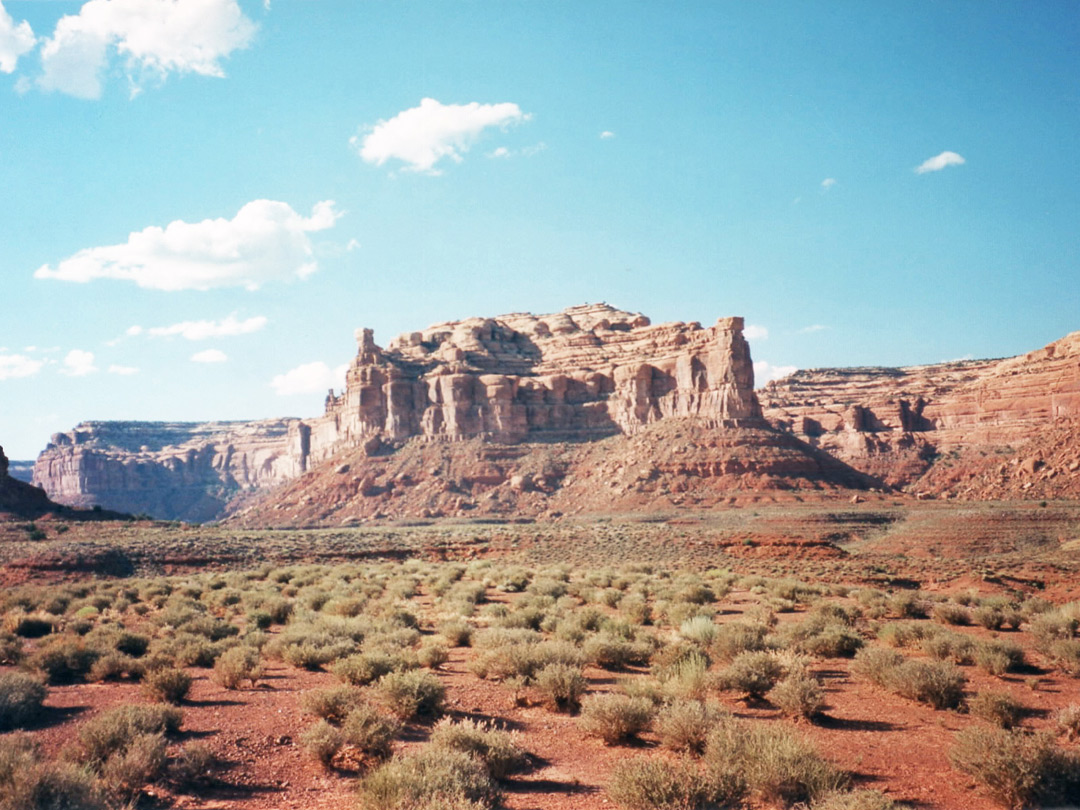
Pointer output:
18, 498
169, 470
929, 427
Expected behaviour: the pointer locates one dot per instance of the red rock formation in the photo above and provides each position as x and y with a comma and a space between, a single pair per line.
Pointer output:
900, 423
19, 498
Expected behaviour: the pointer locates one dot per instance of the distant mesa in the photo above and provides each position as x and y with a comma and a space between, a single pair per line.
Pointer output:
591, 409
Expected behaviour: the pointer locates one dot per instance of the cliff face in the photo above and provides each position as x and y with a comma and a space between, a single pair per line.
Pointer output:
19, 498
929, 427
165, 469
578, 375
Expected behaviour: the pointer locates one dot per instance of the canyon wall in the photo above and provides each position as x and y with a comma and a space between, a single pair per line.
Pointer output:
898, 424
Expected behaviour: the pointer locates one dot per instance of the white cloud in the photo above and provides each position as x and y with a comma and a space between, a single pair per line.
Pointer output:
422, 136
828, 183
501, 152
526, 151
201, 330
134, 331
209, 356
123, 371
265, 241
607, 134
153, 37
755, 332
310, 378
78, 363
15, 40
939, 162
354, 244
764, 372
815, 327
18, 365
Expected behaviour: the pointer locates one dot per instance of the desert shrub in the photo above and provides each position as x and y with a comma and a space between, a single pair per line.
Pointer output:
999, 657
752, 673
498, 750
998, 708
562, 686
332, 703
779, 766
29, 625
1016, 768
908, 605
370, 730
114, 731
636, 610
798, 695
315, 652
133, 644
831, 641
432, 655
876, 664
141, 761
615, 718
457, 633
412, 693
52, 786
645, 783
857, 800
21, 697
906, 634
194, 762
936, 683
11, 648
236, 665
699, 629
64, 660
611, 652
951, 613
169, 684
429, 779
738, 637
688, 677
949, 646
321, 741
115, 666
364, 668
1068, 721
684, 725
991, 618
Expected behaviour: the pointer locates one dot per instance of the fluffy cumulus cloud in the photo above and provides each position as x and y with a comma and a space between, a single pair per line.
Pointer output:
422, 136
202, 330
939, 162
765, 372
153, 38
78, 363
209, 356
310, 378
18, 365
15, 40
265, 241
755, 332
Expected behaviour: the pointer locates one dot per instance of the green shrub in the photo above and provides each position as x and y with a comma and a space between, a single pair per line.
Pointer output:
236, 665
370, 731
949, 646
500, 751
21, 698
908, 605
412, 693
562, 686
11, 648
906, 634
364, 668
936, 683
322, 742
114, 731
999, 657
832, 641
430, 779
457, 633
169, 684
684, 725
645, 783
1016, 768
332, 703
64, 660
127, 771
115, 666
989, 617
29, 625
798, 695
998, 708
738, 637
876, 664
432, 655
52, 786
615, 718
857, 800
752, 673
951, 613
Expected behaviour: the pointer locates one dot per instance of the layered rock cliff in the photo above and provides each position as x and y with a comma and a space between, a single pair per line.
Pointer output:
930, 428
172, 470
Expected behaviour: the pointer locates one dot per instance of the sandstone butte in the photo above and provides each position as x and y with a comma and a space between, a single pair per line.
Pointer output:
588, 410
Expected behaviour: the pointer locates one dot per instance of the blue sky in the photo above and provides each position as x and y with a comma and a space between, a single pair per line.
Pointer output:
202, 199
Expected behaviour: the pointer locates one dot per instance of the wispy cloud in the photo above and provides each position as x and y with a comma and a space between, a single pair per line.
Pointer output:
153, 38
78, 363
18, 365
828, 183
265, 241
422, 136
203, 330
607, 134
765, 372
16, 39
816, 327
525, 151
209, 356
310, 378
939, 162
754, 332
123, 371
